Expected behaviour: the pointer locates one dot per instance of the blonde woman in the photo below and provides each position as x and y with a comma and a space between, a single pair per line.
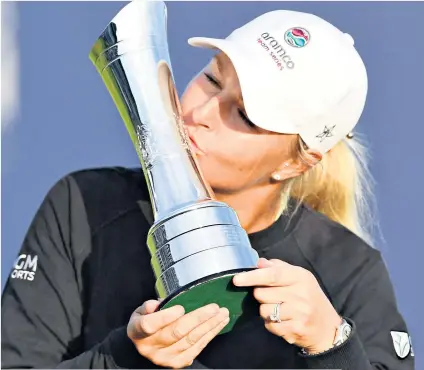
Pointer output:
270, 119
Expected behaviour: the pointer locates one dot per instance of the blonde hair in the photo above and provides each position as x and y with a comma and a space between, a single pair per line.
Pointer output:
339, 186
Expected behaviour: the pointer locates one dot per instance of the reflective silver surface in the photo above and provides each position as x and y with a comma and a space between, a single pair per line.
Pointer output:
193, 236
132, 57
198, 240
200, 265
201, 214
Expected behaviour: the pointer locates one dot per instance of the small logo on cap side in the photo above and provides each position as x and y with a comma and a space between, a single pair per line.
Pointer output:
297, 37
326, 133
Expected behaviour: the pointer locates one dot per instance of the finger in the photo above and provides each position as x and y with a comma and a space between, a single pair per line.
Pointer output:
175, 356
184, 325
287, 311
276, 294
199, 346
149, 324
197, 333
270, 276
277, 262
263, 262
286, 330
185, 358
149, 306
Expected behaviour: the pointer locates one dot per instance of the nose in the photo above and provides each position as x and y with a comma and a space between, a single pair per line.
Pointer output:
207, 113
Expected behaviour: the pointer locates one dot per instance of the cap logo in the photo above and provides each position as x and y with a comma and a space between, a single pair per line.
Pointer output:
276, 51
326, 133
297, 37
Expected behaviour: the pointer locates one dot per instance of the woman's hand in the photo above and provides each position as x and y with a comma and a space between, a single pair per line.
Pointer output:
172, 339
308, 319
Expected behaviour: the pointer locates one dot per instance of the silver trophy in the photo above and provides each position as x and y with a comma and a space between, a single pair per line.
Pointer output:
196, 243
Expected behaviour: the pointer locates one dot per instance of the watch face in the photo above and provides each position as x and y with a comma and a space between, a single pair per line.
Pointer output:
343, 333
346, 331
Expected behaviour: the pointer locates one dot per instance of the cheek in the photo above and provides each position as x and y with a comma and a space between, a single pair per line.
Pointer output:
192, 96
253, 159
222, 172
232, 164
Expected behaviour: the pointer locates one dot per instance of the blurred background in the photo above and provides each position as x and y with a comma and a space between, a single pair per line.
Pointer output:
58, 117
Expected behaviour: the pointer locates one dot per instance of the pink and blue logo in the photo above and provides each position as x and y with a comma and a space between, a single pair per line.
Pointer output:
297, 37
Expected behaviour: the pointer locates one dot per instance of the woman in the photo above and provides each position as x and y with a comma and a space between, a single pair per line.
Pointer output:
270, 119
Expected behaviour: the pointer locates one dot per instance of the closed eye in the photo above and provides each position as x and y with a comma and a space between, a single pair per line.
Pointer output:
212, 80
245, 119
242, 115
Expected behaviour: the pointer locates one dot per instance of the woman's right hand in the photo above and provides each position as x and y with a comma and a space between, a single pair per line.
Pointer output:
170, 338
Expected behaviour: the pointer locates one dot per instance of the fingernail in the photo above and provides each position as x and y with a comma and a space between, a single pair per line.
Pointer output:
180, 310
238, 279
213, 308
224, 311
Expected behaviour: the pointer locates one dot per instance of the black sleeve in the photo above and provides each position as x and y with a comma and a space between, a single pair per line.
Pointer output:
372, 311
42, 304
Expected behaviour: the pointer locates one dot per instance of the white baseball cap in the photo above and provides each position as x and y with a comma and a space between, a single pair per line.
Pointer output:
298, 74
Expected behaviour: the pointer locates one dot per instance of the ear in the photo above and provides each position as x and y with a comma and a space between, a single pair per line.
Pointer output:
287, 170
296, 166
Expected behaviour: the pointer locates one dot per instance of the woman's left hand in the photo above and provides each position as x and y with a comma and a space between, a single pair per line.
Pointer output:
308, 319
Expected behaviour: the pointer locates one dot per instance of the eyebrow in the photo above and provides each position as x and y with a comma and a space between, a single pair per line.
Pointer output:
221, 68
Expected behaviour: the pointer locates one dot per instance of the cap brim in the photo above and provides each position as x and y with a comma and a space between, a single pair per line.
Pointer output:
252, 87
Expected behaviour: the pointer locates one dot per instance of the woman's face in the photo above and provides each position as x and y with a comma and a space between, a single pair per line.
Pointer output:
232, 152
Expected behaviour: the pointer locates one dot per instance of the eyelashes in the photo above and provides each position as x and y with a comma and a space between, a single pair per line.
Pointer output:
245, 119
212, 80
242, 115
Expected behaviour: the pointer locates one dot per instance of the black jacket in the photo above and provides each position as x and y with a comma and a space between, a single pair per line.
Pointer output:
84, 267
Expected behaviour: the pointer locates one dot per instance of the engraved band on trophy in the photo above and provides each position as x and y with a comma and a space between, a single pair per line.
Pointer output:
196, 242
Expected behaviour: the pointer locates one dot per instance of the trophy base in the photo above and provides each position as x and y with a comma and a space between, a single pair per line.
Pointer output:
219, 289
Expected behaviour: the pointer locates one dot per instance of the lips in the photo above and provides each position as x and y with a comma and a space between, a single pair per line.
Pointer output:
194, 146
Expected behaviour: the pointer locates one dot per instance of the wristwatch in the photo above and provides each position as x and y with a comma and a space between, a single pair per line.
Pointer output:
342, 333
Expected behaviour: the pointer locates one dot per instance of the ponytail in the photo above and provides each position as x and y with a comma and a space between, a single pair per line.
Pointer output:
340, 186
